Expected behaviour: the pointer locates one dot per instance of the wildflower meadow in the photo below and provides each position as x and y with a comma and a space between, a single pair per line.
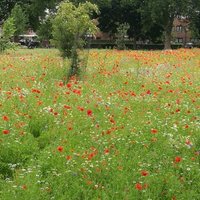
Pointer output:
128, 129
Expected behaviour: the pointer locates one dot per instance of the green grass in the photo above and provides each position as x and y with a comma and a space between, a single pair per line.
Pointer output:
129, 129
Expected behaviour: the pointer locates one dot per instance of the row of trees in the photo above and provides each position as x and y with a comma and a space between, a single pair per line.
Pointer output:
150, 19
147, 19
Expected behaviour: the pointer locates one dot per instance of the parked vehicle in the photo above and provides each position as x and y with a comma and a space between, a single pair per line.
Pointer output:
31, 41
189, 45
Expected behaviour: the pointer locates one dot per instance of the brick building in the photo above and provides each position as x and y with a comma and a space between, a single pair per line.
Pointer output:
181, 33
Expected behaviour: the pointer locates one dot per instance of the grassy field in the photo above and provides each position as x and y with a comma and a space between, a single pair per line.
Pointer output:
129, 130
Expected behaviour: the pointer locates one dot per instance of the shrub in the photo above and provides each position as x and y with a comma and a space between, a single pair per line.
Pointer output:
7, 33
70, 25
121, 35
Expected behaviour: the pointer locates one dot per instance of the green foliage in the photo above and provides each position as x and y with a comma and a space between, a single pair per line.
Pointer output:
194, 18
6, 44
8, 28
122, 35
117, 11
45, 29
38, 125
70, 26
20, 19
6, 6
15, 154
37, 11
7, 33
196, 23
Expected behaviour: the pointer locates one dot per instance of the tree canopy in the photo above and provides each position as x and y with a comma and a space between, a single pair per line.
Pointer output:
20, 19
70, 26
6, 7
151, 20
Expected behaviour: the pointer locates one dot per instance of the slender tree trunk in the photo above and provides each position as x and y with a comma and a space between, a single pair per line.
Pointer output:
74, 69
74, 64
134, 43
168, 34
167, 42
16, 38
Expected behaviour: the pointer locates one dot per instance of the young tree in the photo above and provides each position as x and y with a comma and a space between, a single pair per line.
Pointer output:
122, 35
8, 28
70, 25
20, 20
7, 33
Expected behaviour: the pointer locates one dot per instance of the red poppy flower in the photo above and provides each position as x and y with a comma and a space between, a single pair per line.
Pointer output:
188, 142
68, 157
5, 118
106, 151
138, 186
70, 128
186, 126
133, 94
148, 92
144, 173
112, 120
36, 91
60, 148
91, 155
178, 159
167, 82
5, 132
154, 131
69, 85
108, 131
75, 91
80, 108
89, 112
24, 187
61, 84
67, 107
178, 110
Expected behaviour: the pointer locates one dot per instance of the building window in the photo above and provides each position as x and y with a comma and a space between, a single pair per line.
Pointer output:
195, 40
179, 28
179, 40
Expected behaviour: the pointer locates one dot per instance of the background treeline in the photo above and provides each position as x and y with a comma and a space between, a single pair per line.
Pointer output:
147, 19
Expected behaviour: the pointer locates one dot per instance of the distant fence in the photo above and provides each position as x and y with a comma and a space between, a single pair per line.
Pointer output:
110, 44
